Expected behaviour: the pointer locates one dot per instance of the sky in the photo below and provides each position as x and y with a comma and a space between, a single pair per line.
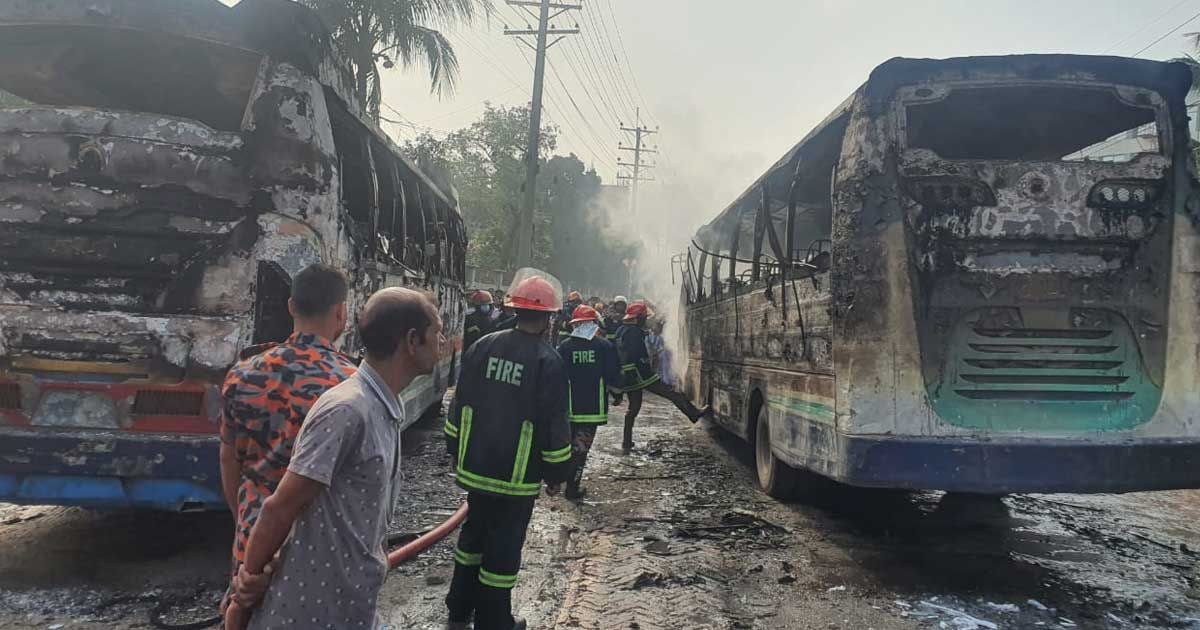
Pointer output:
730, 87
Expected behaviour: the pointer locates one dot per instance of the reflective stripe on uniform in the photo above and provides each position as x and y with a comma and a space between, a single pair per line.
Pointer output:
632, 367
524, 445
471, 481
496, 580
595, 418
450, 429
467, 559
557, 456
465, 417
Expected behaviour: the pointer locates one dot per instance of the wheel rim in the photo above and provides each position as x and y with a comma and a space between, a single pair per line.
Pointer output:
763, 456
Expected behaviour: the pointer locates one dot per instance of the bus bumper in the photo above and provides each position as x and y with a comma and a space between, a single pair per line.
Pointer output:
109, 469
1049, 466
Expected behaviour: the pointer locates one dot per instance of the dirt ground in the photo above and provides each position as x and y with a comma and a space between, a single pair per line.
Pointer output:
675, 535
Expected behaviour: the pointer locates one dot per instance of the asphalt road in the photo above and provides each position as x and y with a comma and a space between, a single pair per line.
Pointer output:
675, 535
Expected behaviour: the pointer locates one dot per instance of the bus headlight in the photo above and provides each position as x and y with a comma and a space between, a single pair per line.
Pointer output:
949, 192
1124, 194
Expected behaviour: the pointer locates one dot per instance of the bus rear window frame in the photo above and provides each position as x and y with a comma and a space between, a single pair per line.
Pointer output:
906, 96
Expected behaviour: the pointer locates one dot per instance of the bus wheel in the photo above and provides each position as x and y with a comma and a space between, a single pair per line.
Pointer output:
775, 477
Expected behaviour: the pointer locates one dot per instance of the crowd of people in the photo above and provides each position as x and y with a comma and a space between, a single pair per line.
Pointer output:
310, 453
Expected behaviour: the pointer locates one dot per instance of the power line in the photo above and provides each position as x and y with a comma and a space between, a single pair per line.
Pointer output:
561, 114
600, 99
625, 54
1166, 35
525, 227
607, 61
587, 123
475, 104
606, 49
593, 77
1143, 27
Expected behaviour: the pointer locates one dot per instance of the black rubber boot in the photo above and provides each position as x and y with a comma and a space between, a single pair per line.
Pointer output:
464, 591
494, 611
574, 492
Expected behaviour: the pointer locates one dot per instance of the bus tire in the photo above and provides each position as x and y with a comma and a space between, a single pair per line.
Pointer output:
776, 478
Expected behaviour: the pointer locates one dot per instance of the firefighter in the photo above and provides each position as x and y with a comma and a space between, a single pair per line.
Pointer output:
638, 375
613, 321
564, 316
507, 432
592, 369
480, 321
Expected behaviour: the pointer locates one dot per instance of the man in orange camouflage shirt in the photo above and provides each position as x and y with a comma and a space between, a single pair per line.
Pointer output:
267, 395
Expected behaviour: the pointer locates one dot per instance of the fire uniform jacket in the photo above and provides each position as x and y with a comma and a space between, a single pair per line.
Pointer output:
508, 424
477, 325
611, 326
592, 365
636, 372
564, 317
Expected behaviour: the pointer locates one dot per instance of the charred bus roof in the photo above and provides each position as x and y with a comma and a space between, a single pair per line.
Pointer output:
1172, 80
195, 59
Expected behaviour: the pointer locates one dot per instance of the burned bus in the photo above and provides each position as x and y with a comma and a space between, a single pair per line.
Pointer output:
977, 275
173, 165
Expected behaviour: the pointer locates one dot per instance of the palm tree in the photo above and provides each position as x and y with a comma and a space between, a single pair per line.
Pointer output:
379, 33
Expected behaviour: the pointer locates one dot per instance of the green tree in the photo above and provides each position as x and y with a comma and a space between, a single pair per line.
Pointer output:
378, 33
485, 161
586, 252
8, 100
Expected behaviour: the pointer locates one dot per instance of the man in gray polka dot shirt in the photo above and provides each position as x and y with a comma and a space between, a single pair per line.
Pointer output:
328, 519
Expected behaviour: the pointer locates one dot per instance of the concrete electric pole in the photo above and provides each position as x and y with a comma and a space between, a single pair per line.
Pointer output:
525, 224
637, 165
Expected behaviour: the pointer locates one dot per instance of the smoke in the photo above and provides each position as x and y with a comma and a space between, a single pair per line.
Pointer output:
693, 184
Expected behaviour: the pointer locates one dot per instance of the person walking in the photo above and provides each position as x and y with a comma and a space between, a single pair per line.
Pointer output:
562, 324
613, 320
328, 520
480, 320
266, 396
638, 375
592, 369
506, 433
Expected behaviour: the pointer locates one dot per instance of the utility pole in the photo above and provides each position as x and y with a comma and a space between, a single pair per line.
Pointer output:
637, 165
543, 30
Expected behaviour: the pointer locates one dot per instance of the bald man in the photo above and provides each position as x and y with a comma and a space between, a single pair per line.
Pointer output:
337, 495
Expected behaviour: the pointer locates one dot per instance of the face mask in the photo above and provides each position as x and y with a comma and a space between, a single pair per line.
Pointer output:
485, 308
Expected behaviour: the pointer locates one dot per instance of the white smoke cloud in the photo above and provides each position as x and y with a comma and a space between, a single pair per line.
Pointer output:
693, 184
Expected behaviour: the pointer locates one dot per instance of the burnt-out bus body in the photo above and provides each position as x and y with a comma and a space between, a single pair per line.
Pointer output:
173, 166
976, 275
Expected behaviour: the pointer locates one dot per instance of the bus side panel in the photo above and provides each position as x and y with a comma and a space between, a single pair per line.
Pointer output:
744, 345
802, 419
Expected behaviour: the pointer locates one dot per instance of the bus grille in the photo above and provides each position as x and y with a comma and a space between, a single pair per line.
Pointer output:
1008, 378
1043, 365
10, 396
168, 403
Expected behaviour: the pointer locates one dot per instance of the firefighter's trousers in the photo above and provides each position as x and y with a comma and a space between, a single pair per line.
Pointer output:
582, 436
662, 389
487, 560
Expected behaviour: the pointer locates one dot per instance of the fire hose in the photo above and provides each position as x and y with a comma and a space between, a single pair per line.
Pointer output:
424, 541
403, 554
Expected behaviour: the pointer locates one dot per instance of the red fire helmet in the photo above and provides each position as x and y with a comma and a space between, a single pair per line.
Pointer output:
534, 294
481, 297
635, 310
584, 313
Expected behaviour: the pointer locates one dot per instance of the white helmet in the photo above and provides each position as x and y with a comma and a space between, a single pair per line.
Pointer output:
621, 298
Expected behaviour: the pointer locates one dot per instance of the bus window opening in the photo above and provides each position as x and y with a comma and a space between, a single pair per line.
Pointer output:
1032, 123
